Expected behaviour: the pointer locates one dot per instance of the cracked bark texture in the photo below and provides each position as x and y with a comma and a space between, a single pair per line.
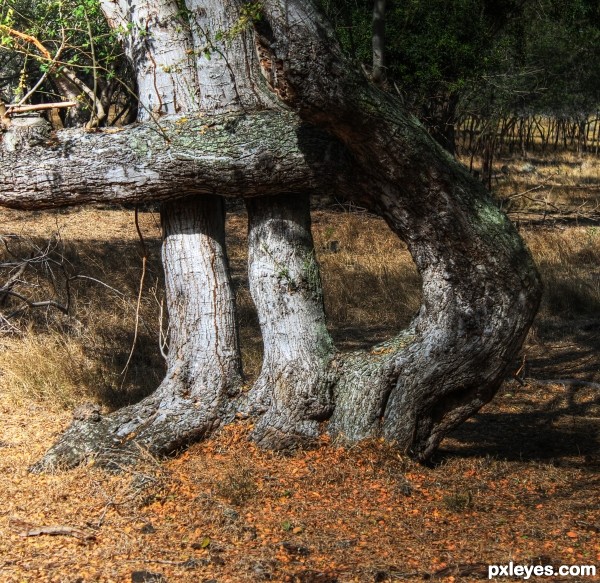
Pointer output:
204, 370
293, 391
234, 155
203, 365
480, 287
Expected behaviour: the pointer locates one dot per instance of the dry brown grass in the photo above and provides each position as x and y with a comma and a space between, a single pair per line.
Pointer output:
559, 187
63, 359
370, 285
518, 481
569, 261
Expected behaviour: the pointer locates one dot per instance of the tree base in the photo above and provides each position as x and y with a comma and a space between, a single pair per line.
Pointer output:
152, 427
269, 433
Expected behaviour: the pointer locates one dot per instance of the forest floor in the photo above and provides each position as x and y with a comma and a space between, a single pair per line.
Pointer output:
518, 482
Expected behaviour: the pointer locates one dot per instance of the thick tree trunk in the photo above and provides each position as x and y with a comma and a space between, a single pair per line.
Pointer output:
293, 391
159, 44
480, 287
233, 155
227, 63
203, 365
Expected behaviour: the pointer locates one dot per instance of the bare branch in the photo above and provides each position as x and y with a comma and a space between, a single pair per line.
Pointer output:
31, 304
14, 109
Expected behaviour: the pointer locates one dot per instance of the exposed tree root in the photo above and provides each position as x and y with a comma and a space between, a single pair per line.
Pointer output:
154, 426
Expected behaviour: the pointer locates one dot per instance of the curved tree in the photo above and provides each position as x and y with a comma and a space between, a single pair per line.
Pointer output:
257, 101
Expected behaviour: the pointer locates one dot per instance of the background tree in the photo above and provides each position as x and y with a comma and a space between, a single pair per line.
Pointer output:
450, 60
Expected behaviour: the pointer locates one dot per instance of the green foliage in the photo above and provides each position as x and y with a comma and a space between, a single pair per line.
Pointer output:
60, 24
432, 46
482, 55
51, 20
250, 12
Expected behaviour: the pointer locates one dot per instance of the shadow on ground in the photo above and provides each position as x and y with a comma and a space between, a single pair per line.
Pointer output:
554, 424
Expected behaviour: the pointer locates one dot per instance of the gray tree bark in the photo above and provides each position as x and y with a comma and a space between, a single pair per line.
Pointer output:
480, 287
294, 390
158, 41
234, 154
378, 41
203, 363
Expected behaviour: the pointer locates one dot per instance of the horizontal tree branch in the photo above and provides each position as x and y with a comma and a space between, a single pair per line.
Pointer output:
233, 155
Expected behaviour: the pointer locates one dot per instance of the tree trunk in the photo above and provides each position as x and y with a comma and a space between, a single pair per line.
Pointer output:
159, 44
480, 287
293, 391
203, 364
378, 41
233, 155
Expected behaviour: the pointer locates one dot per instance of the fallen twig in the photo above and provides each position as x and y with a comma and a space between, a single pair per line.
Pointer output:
190, 563
25, 530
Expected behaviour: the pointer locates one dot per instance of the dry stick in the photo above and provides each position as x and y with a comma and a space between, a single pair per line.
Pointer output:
95, 107
191, 562
54, 531
30, 304
12, 109
139, 300
99, 281
162, 335
519, 194
29, 39
12, 280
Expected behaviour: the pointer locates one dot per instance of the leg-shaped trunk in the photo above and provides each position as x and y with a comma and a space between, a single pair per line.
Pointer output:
203, 352
203, 368
293, 390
